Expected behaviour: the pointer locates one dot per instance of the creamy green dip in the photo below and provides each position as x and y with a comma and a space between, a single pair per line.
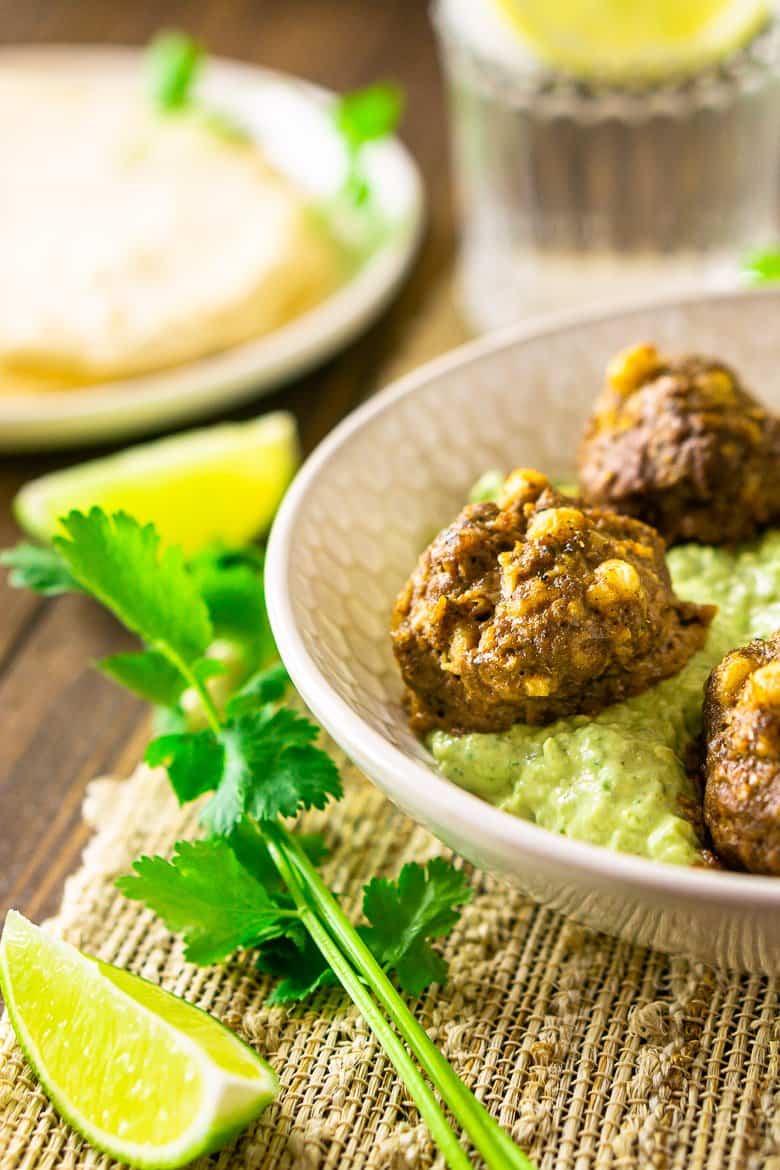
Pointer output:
617, 779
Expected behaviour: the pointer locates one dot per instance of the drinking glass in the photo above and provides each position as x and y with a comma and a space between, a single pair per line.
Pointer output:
571, 193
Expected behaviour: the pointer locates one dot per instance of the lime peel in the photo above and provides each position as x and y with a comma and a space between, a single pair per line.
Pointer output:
219, 483
156, 1081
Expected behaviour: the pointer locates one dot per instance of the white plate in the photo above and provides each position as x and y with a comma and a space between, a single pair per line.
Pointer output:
290, 119
350, 531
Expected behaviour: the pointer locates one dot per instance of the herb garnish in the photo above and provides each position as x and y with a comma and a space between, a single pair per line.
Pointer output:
362, 117
763, 266
41, 569
253, 881
174, 62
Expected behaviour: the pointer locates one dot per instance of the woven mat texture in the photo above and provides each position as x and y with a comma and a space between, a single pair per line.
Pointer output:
594, 1054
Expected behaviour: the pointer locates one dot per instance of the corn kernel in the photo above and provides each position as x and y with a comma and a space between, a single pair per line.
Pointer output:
731, 674
520, 485
638, 549
531, 596
614, 581
510, 571
461, 642
632, 367
558, 523
765, 684
720, 386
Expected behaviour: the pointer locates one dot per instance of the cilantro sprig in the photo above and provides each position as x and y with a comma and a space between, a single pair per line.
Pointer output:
40, 569
361, 118
253, 881
351, 215
174, 63
764, 266
207, 896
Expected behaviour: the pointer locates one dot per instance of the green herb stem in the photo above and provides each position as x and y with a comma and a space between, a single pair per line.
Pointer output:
209, 706
285, 860
493, 1143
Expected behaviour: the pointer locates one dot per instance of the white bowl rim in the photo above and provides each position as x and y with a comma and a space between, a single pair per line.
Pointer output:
357, 738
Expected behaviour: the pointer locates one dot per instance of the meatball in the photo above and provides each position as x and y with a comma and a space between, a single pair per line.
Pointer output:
535, 607
681, 444
742, 763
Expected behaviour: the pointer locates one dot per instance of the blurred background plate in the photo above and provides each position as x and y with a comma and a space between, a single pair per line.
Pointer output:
290, 120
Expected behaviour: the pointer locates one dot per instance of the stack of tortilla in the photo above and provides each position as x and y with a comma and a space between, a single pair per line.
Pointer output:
132, 241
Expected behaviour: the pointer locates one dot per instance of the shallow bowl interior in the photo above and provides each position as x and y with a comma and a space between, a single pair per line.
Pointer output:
370, 498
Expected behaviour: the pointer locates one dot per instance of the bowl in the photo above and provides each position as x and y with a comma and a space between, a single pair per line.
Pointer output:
368, 500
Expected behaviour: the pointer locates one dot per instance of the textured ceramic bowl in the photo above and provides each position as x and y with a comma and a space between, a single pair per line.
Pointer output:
369, 499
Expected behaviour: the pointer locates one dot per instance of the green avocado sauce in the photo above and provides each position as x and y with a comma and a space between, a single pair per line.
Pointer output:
618, 779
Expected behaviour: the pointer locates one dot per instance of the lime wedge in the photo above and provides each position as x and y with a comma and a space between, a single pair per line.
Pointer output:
144, 1076
221, 483
641, 41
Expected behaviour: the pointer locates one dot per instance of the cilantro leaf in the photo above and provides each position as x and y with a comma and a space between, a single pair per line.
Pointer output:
361, 118
272, 769
763, 266
194, 761
173, 62
169, 721
249, 846
147, 673
300, 970
302, 778
38, 568
266, 686
205, 894
207, 667
263, 764
228, 804
368, 114
405, 914
230, 582
487, 487
120, 562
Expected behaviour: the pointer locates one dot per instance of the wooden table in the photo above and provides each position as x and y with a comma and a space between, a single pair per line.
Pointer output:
62, 723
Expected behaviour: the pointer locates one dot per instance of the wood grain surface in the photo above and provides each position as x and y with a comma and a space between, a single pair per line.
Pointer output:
61, 722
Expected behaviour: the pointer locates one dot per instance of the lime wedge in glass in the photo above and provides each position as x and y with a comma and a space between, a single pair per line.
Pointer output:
643, 40
221, 483
144, 1076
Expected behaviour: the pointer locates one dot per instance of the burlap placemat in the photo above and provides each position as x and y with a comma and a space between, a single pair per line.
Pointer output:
594, 1054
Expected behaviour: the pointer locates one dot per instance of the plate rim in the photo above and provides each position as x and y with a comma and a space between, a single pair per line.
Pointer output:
358, 739
161, 399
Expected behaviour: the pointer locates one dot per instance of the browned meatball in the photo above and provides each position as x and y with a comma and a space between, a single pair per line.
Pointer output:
681, 444
742, 770
537, 607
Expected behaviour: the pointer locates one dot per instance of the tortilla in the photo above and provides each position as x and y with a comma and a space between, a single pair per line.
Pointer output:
133, 241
